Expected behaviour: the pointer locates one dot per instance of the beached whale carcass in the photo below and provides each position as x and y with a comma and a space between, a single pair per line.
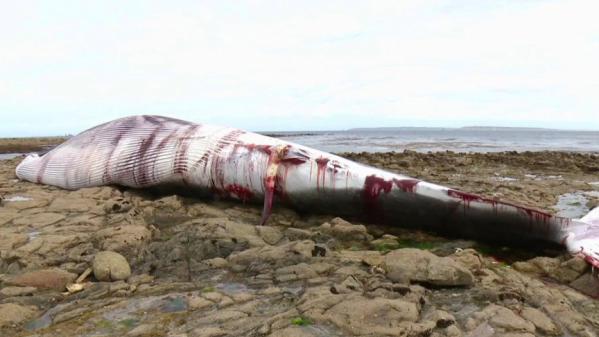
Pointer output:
144, 151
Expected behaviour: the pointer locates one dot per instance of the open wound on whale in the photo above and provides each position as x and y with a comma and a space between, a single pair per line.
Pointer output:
144, 151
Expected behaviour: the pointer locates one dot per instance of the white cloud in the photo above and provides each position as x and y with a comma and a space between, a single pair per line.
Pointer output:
262, 64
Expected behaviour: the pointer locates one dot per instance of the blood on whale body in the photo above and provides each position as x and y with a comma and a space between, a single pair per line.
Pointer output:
144, 151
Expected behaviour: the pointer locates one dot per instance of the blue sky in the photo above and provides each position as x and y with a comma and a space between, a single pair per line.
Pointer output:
299, 65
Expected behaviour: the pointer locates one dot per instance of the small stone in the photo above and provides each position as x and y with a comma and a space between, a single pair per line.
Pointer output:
469, 258
110, 266
217, 262
74, 287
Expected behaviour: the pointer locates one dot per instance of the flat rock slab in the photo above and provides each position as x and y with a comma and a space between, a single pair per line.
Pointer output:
11, 313
17, 291
39, 219
415, 265
43, 279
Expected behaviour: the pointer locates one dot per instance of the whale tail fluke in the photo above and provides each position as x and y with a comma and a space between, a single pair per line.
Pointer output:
582, 237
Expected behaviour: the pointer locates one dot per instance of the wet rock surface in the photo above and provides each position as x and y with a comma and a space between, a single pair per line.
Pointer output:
179, 266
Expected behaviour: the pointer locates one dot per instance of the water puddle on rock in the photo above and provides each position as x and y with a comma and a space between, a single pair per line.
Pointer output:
232, 288
504, 179
5, 156
33, 235
574, 205
174, 304
17, 198
541, 177
45, 320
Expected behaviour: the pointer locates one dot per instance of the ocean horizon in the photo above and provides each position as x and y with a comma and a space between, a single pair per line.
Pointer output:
433, 139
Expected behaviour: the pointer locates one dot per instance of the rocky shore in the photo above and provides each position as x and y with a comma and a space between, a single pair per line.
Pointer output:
118, 262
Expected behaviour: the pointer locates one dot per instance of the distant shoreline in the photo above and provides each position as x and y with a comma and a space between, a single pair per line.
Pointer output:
29, 144
473, 128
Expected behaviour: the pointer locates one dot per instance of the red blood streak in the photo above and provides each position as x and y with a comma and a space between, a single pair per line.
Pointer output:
257, 147
281, 182
373, 186
336, 166
406, 185
467, 198
293, 161
347, 174
533, 214
243, 193
269, 189
322, 166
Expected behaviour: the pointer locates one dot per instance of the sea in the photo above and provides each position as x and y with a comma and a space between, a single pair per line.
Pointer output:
467, 139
